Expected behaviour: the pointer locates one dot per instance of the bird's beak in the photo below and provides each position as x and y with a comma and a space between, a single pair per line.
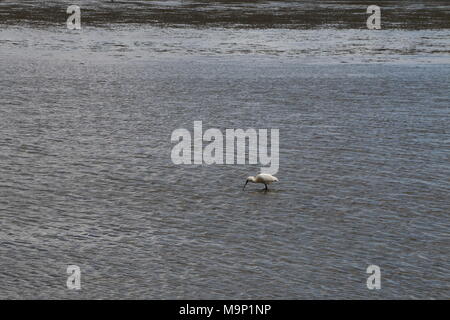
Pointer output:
245, 184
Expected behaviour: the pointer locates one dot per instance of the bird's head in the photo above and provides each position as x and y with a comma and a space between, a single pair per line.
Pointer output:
249, 179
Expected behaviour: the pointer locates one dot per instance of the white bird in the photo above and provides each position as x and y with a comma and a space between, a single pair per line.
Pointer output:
261, 178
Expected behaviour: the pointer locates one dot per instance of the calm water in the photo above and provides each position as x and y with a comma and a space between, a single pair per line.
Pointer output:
86, 176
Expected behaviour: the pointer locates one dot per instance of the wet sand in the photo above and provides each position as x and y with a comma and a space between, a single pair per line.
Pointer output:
410, 15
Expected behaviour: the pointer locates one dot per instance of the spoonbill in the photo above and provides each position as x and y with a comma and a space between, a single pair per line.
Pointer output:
261, 178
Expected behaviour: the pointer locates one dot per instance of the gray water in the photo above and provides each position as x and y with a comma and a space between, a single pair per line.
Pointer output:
86, 176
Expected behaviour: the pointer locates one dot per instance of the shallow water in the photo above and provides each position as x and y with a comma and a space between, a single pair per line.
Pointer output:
86, 176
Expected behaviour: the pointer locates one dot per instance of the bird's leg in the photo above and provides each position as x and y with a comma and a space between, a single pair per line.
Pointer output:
265, 187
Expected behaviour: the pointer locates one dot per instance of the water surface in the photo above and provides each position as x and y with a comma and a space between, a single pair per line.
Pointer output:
86, 176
